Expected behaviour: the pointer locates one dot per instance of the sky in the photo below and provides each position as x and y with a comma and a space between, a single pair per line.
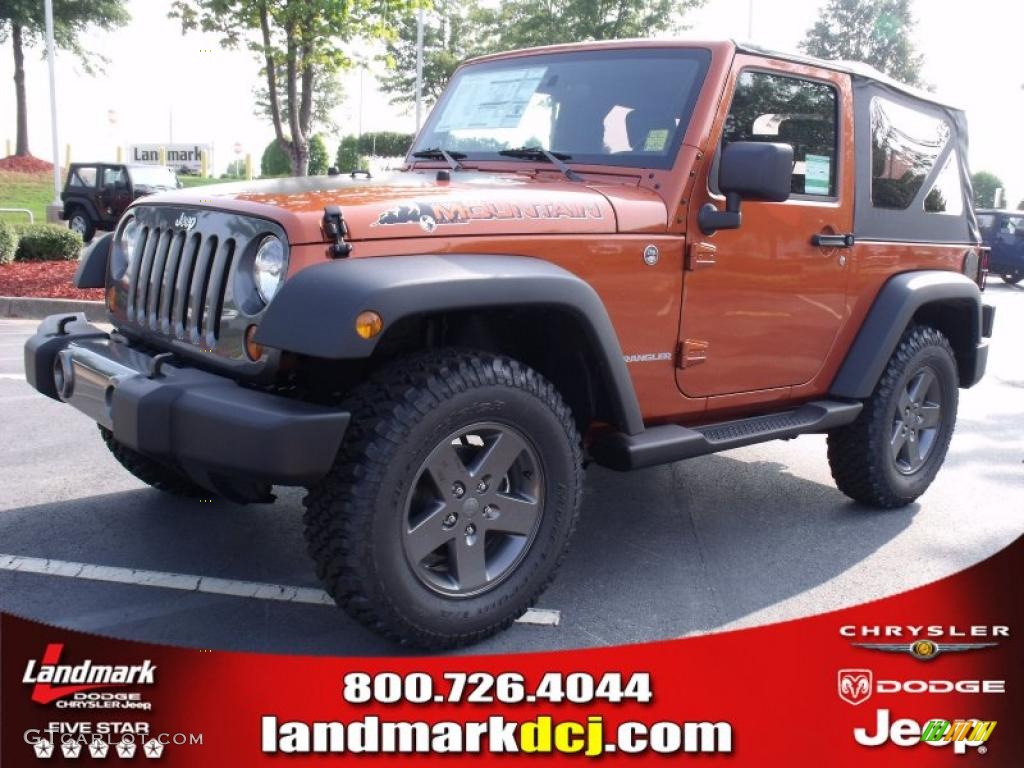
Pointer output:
161, 85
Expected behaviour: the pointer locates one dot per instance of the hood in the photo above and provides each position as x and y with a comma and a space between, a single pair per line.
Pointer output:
418, 204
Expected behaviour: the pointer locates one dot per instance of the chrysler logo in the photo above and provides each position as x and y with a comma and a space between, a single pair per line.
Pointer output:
185, 221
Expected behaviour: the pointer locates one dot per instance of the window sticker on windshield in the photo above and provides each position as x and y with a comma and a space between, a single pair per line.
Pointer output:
495, 99
817, 174
656, 140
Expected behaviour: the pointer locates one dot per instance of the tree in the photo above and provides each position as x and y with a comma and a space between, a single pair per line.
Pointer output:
317, 156
328, 94
347, 159
447, 42
235, 169
525, 23
876, 32
24, 23
304, 39
985, 185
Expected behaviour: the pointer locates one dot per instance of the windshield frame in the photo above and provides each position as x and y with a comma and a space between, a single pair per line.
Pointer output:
624, 160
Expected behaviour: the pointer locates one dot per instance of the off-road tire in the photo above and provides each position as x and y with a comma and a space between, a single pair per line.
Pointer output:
860, 455
355, 517
151, 472
88, 225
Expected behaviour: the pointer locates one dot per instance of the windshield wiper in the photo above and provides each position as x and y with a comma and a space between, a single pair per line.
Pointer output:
539, 153
438, 153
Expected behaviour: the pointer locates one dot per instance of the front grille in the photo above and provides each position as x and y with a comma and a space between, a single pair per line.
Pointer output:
177, 286
189, 289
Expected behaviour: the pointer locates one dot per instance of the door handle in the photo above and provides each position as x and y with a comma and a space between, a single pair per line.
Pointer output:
833, 241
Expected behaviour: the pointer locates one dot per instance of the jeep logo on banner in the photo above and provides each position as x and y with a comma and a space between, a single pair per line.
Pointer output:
177, 156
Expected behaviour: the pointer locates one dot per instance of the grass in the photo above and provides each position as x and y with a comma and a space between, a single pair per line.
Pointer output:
35, 192
25, 190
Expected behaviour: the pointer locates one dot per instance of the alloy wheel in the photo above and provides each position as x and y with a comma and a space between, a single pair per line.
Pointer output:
473, 510
917, 421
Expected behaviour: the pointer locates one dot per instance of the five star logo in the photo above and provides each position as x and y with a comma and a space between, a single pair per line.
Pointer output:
98, 748
153, 748
71, 749
126, 749
43, 749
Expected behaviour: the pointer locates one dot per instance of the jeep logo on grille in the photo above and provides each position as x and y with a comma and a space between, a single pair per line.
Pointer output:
185, 221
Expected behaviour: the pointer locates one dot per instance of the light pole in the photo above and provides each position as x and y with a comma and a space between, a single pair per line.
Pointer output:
419, 66
53, 102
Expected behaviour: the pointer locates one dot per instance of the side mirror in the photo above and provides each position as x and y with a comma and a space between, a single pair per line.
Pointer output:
748, 170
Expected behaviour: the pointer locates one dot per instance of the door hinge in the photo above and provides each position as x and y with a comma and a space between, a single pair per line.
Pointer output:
691, 352
700, 256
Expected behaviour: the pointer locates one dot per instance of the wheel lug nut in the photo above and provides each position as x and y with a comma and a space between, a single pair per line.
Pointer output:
491, 512
458, 490
470, 529
450, 519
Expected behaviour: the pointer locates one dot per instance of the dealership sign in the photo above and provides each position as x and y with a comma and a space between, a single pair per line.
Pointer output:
176, 155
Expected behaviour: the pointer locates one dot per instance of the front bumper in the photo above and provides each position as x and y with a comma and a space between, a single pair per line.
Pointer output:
221, 434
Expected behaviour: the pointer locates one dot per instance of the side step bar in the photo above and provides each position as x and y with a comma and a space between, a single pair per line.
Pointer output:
671, 442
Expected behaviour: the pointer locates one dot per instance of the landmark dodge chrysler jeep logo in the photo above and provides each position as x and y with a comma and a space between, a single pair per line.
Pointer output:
86, 676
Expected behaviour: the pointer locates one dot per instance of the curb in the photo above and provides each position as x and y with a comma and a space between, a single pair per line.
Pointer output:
36, 309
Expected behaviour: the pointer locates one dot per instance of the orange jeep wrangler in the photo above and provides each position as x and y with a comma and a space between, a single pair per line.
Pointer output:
629, 253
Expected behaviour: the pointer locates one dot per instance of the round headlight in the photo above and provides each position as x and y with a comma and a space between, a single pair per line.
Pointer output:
130, 236
269, 267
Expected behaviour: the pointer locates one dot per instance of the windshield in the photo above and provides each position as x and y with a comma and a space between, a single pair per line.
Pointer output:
153, 176
607, 107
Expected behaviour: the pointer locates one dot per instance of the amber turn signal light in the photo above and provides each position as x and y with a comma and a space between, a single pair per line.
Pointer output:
369, 324
111, 298
252, 349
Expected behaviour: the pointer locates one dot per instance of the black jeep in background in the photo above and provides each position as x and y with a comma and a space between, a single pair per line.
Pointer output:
1003, 232
96, 194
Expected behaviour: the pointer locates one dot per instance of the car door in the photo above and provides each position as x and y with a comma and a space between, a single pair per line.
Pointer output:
114, 195
762, 304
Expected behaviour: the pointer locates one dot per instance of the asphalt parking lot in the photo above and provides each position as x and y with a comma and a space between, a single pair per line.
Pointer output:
748, 537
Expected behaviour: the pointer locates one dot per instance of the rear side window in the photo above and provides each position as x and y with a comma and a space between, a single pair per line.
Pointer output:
986, 222
789, 110
83, 176
905, 145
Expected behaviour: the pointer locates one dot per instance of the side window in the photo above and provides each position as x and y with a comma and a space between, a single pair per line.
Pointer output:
789, 110
986, 223
905, 144
83, 176
113, 177
946, 194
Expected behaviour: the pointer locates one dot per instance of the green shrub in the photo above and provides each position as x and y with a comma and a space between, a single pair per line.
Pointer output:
385, 143
275, 161
317, 156
347, 159
8, 243
47, 242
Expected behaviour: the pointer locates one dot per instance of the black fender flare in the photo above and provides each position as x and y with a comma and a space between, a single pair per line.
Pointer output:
92, 264
315, 311
81, 202
898, 301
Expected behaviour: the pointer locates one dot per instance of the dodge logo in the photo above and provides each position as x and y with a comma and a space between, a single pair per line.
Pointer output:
855, 685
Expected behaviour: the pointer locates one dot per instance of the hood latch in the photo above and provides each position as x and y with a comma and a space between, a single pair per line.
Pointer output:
336, 229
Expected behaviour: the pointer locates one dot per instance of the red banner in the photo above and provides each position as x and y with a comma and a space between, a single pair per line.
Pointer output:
929, 677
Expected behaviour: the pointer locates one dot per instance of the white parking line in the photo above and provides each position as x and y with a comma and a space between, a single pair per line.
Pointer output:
207, 584
13, 376
182, 581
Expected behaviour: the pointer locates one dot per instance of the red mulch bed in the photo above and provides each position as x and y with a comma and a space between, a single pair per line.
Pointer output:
26, 164
44, 279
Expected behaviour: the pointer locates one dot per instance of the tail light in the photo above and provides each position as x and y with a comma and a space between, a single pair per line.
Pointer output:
976, 266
